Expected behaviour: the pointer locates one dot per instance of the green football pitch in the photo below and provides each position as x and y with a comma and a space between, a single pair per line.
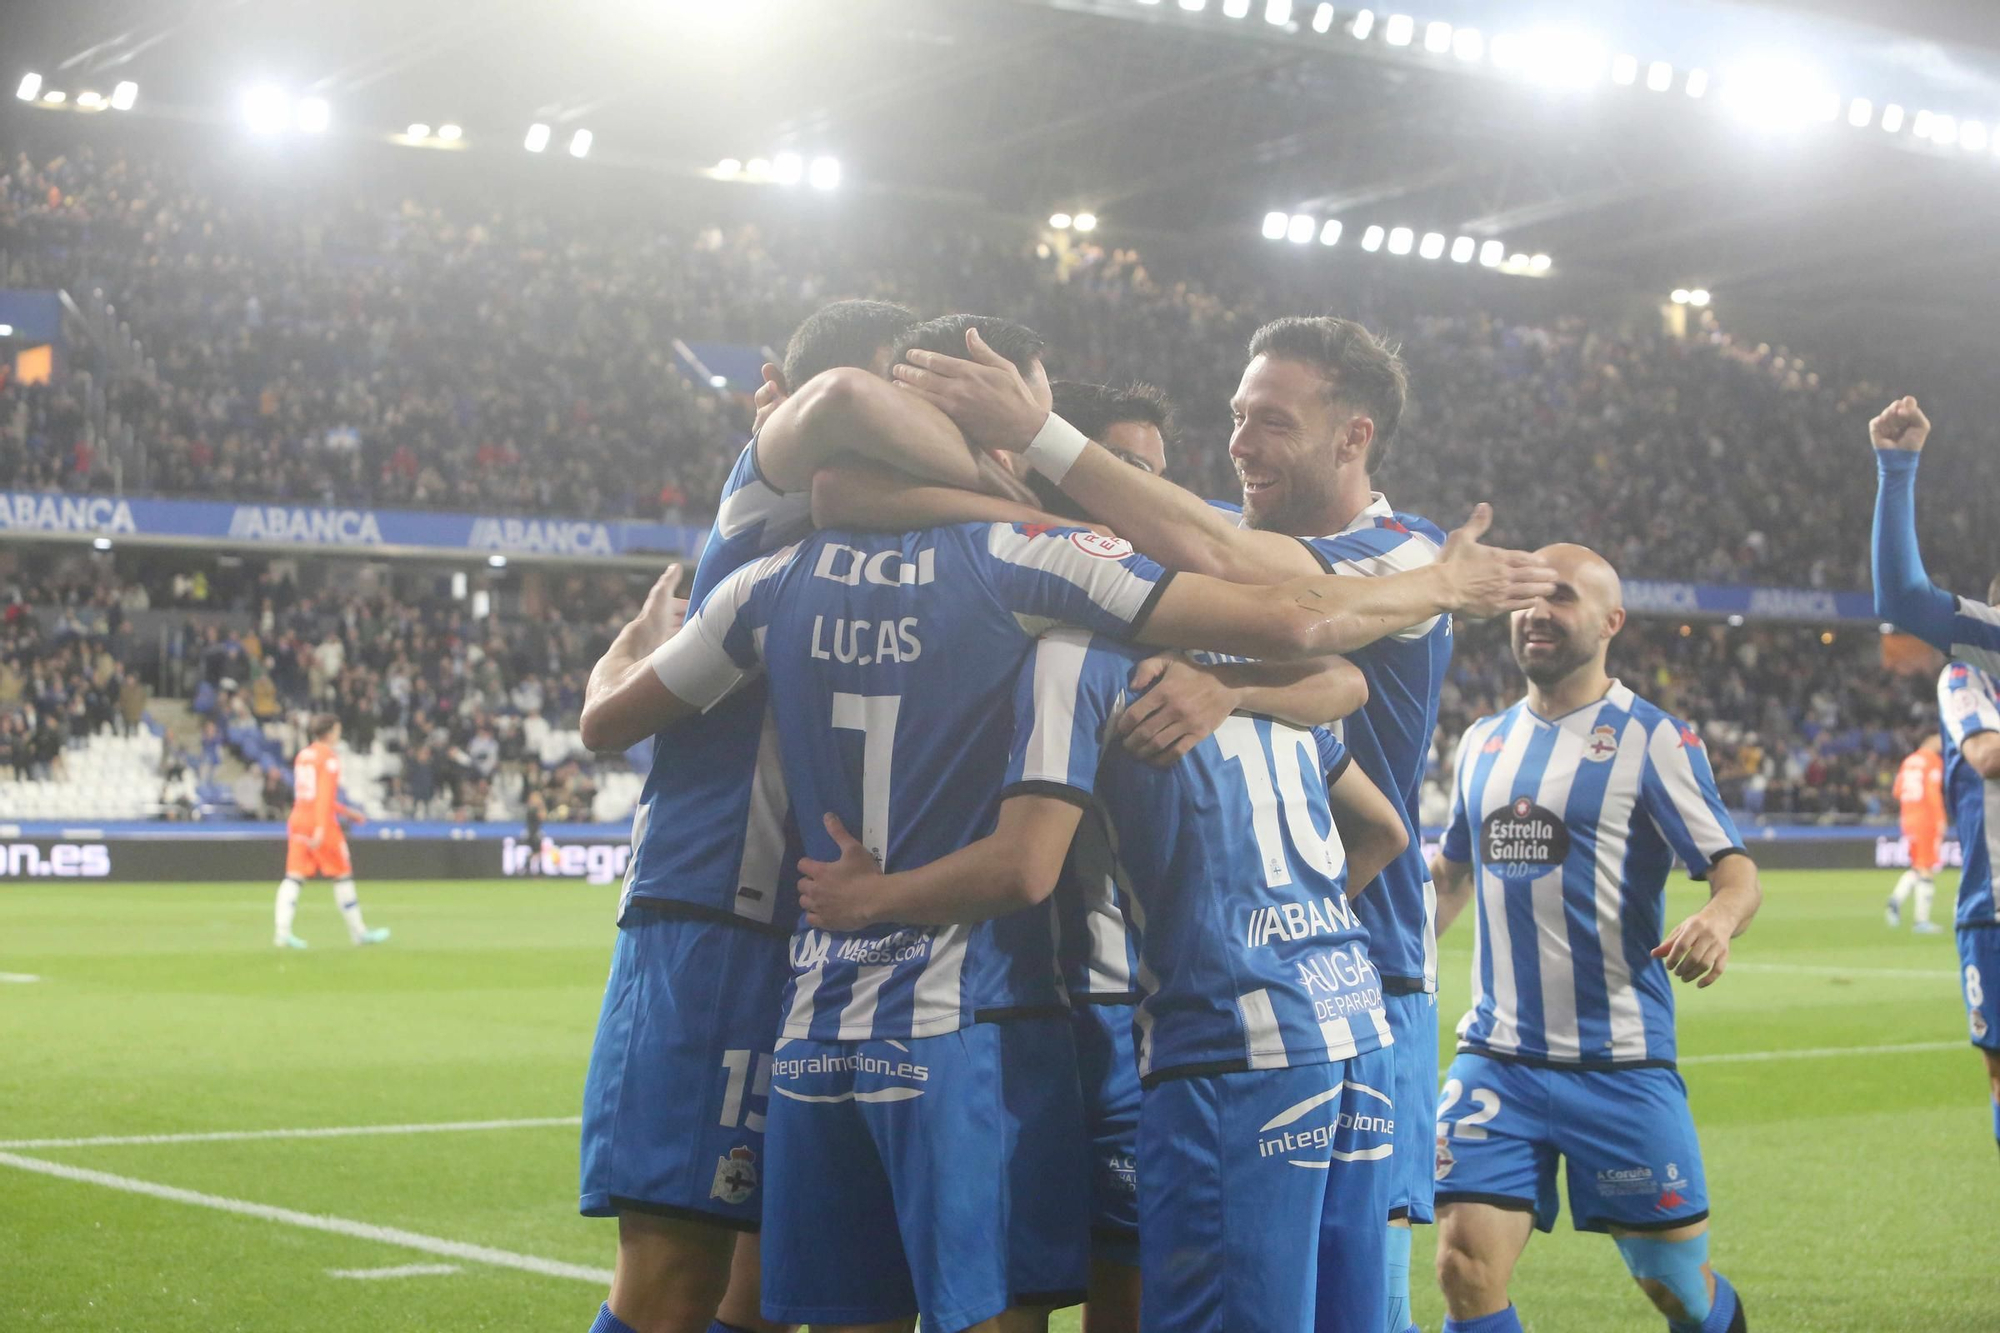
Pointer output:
426, 1094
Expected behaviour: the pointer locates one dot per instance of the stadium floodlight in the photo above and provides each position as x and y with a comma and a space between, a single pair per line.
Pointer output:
1679, 296
1329, 234
313, 115
1697, 296
1517, 261
1364, 23
1437, 37
100, 543
1274, 225
1972, 135
1468, 44
1323, 18
31, 87
1086, 222
1624, 69
759, 168
787, 168
1540, 264
54, 97
1921, 126
538, 138
418, 130
87, 100
1778, 94
1462, 248
1194, 6
451, 133
1061, 221
1563, 58
1235, 9
1659, 76
496, 561
266, 109
824, 173
1697, 82
1735, 621
6, 330
1400, 240
1399, 30
1492, 253
1432, 245
1892, 118
1506, 51
125, 96
1371, 240
1886, 628
1944, 129
1300, 228
729, 168
718, 381
1277, 13
1860, 113
579, 143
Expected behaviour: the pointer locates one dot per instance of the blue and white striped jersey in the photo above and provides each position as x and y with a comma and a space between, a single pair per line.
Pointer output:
1969, 703
1959, 627
1231, 870
712, 831
1571, 825
891, 661
1095, 947
1390, 737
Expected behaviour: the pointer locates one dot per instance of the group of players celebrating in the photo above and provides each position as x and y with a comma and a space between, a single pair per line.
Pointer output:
1027, 904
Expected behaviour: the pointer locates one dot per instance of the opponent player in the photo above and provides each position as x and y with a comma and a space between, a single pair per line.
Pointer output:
314, 841
1316, 415
1968, 631
1568, 810
1920, 793
672, 1139
908, 641
1260, 1007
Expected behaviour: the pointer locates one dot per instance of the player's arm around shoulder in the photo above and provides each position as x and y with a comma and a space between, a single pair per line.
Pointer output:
1371, 830
1178, 703
848, 411
625, 700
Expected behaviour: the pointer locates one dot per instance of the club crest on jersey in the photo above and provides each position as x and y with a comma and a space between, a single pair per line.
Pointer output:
1978, 1026
1522, 840
1603, 743
1445, 1161
735, 1176
1104, 548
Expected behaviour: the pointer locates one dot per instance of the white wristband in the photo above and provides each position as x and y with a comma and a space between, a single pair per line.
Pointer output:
1055, 448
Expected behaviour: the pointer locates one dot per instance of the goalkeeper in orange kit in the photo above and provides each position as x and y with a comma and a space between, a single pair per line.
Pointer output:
315, 841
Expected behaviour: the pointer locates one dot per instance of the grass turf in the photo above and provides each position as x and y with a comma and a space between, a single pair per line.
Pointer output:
1851, 1190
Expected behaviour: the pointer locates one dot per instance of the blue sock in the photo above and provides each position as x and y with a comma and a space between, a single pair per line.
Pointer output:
1996, 1122
1500, 1321
1399, 1279
719, 1327
608, 1322
1721, 1313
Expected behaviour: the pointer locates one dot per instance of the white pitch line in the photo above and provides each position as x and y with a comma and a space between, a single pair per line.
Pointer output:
1820, 1052
339, 1226
1823, 970
332, 1132
403, 1270
18, 978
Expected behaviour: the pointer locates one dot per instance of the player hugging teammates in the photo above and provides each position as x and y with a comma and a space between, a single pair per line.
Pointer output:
1022, 914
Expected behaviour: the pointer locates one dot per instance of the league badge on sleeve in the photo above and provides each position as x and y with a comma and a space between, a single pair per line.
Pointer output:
1104, 548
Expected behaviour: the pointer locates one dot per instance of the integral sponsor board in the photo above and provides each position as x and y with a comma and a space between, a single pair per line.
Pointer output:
62, 860
594, 862
1348, 1122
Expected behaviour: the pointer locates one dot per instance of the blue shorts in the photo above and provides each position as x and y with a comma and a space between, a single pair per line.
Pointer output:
935, 1175
674, 1103
1261, 1199
1626, 1138
1979, 975
1413, 1022
1109, 1068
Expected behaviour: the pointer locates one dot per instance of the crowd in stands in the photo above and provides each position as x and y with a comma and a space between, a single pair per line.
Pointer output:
344, 342
63, 673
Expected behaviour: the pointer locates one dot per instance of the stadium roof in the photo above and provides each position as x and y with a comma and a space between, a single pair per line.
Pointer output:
1195, 125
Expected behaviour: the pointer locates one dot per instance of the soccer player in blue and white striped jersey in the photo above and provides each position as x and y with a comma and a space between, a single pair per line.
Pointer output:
1568, 811
1969, 702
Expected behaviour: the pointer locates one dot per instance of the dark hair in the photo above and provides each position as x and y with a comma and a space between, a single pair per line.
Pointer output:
846, 333
1095, 408
946, 336
1355, 364
323, 724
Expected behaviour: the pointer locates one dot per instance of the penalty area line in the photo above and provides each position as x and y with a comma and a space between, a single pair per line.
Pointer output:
339, 1226
1820, 1053
401, 1270
330, 1132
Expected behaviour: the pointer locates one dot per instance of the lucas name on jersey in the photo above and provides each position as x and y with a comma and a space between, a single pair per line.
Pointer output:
867, 642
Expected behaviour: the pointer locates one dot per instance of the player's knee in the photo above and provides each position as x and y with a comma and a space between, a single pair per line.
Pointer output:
1468, 1277
1672, 1273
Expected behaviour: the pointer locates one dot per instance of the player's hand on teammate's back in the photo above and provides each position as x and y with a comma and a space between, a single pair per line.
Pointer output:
837, 895
1178, 706
1491, 580
769, 394
1697, 950
985, 396
1902, 425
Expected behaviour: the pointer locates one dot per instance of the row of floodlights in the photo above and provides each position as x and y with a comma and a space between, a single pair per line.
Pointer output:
1772, 92
822, 172
1302, 228
1694, 296
122, 98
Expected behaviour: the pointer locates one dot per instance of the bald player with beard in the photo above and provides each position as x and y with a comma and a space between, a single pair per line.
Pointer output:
1568, 810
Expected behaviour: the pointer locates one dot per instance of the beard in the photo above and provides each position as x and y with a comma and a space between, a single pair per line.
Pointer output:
1555, 662
1300, 509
